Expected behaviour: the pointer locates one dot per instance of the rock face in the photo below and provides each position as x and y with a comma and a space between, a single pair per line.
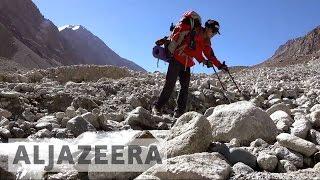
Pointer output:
31, 41
241, 120
297, 50
190, 134
193, 166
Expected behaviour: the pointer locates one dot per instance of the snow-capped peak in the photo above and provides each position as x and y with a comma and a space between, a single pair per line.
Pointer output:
73, 27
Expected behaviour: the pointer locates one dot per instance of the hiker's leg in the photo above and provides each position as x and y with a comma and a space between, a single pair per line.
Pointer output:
171, 78
184, 79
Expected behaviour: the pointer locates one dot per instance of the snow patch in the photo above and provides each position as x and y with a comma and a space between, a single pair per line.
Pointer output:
73, 27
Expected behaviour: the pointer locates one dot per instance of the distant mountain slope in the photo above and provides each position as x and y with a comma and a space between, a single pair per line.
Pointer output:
299, 50
32, 41
89, 49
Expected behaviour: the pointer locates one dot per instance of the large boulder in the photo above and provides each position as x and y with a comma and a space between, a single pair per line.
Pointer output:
241, 120
194, 166
78, 125
190, 134
297, 144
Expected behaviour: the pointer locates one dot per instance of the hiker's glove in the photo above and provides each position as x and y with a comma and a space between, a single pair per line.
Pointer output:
208, 63
223, 67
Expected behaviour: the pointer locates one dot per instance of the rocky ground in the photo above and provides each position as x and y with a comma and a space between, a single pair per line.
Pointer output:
271, 131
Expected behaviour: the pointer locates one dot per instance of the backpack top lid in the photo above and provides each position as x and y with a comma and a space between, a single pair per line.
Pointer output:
191, 15
214, 25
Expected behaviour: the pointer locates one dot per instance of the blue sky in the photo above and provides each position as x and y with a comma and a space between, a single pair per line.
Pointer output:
251, 30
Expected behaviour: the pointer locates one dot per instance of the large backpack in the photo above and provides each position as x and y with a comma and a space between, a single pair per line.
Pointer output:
166, 46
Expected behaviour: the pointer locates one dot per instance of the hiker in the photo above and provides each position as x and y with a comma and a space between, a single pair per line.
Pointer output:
187, 41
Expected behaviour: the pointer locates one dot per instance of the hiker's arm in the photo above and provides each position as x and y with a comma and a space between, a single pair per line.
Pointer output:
208, 52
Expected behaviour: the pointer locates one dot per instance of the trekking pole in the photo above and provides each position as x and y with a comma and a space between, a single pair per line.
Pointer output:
215, 72
231, 77
234, 82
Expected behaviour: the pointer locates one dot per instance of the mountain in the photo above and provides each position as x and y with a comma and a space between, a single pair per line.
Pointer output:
89, 49
299, 50
28, 40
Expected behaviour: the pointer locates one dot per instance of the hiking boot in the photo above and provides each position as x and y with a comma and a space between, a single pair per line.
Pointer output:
156, 111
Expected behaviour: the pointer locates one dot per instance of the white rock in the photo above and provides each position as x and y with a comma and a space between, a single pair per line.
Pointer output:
267, 162
301, 128
70, 112
241, 120
194, 166
190, 134
315, 118
297, 144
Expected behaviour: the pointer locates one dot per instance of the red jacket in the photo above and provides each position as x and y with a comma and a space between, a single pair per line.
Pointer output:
184, 54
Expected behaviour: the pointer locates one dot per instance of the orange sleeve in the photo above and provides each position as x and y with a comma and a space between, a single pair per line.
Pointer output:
208, 52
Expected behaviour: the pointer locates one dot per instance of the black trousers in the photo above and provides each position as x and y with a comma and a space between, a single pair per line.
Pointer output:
175, 70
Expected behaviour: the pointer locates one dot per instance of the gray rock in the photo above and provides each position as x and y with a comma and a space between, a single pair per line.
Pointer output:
190, 134
297, 144
317, 167
314, 136
221, 148
316, 157
17, 132
64, 121
113, 116
91, 118
301, 128
285, 166
109, 125
28, 115
4, 121
5, 113
84, 102
244, 156
5, 133
147, 177
209, 111
282, 120
49, 119
78, 125
259, 143
134, 101
60, 115
44, 125
315, 118
60, 133
140, 118
285, 154
43, 133
241, 168
241, 120
70, 112
315, 108
194, 166
278, 107
267, 162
